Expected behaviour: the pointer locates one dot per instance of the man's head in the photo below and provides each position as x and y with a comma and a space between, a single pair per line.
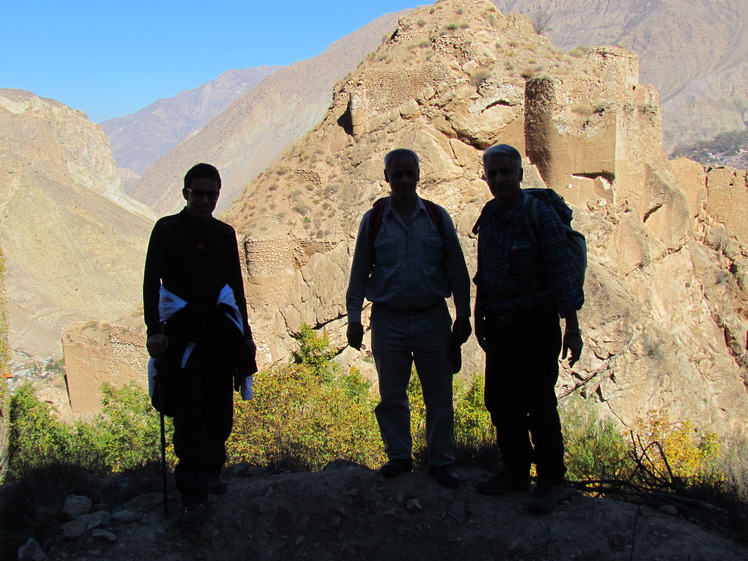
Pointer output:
502, 170
402, 171
202, 185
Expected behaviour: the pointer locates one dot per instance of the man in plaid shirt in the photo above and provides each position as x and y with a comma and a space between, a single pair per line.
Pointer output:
525, 281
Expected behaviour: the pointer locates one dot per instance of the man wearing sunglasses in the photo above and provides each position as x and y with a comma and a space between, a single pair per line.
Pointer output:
198, 334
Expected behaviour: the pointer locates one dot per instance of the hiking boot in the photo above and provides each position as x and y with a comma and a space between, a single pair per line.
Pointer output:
546, 497
445, 476
395, 467
503, 483
194, 515
216, 485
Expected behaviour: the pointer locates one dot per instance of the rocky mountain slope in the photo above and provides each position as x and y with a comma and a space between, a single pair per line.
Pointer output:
350, 512
140, 139
73, 242
260, 126
694, 52
666, 303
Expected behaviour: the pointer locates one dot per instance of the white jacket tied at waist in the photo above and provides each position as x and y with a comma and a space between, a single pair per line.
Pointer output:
169, 304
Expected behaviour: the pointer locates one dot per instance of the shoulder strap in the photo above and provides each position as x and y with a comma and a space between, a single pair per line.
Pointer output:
530, 212
483, 211
436, 215
375, 218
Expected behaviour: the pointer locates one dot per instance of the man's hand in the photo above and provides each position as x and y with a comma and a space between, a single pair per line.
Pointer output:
355, 334
572, 346
156, 345
461, 330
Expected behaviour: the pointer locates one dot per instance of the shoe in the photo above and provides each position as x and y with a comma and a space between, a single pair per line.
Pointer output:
546, 497
216, 485
194, 515
503, 483
445, 476
395, 467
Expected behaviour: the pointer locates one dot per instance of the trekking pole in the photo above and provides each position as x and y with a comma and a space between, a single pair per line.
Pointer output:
163, 446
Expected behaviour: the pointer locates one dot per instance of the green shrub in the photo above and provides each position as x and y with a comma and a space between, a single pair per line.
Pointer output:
127, 430
595, 449
307, 414
124, 435
314, 351
301, 420
37, 435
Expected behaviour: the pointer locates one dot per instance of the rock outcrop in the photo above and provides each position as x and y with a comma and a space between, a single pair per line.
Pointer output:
665, 318
74, 243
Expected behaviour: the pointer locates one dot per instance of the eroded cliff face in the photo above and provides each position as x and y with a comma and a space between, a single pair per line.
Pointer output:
74, 243
665, 318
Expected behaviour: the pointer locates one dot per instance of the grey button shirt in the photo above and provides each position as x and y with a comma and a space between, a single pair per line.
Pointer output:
412, 267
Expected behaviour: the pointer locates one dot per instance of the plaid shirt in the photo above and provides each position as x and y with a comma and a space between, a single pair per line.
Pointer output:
518, 270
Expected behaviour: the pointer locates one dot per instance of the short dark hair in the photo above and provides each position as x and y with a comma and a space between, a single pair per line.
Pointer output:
202, 171
400, 153
504, 150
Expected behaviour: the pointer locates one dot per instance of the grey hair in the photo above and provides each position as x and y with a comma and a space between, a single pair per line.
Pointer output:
503, 150
399, 153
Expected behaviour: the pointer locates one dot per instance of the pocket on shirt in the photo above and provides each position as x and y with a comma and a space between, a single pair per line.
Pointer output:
386, 251
433, 250
523, 259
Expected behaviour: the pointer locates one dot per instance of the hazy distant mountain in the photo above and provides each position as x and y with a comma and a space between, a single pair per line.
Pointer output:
259, 127
694, 52
141, 138
73, 242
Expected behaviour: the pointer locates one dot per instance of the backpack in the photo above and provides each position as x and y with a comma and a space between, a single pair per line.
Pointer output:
575, 240
377, 213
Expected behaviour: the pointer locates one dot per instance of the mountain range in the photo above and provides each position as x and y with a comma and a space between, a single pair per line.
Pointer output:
140, 139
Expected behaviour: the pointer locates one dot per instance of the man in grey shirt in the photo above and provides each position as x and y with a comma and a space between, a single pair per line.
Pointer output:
407, 261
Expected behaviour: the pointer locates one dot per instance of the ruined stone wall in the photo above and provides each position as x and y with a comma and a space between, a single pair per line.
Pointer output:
97, 352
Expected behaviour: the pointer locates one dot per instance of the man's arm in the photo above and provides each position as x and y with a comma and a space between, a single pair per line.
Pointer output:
459, 280
360, 271
236, 281
564, 281
156, 342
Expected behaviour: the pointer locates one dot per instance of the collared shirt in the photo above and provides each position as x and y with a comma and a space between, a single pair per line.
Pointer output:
518, 270
412, 267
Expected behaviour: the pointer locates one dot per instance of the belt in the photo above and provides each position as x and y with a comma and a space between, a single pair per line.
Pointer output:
410, 310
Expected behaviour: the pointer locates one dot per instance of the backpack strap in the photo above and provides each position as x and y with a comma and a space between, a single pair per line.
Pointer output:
377, 214
530, 216
436, 216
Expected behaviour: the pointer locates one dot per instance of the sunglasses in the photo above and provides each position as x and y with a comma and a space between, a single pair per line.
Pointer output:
198, 194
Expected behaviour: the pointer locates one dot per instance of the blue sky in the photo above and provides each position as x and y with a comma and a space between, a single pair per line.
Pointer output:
112, 58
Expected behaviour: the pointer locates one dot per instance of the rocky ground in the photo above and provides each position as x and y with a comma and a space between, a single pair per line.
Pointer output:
350, 512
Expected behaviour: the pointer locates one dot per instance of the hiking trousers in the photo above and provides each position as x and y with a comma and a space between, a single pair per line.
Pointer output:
202, 425
399, 339
521, 374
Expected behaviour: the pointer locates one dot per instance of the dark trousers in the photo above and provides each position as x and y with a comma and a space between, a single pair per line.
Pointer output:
521, 374
202, 425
